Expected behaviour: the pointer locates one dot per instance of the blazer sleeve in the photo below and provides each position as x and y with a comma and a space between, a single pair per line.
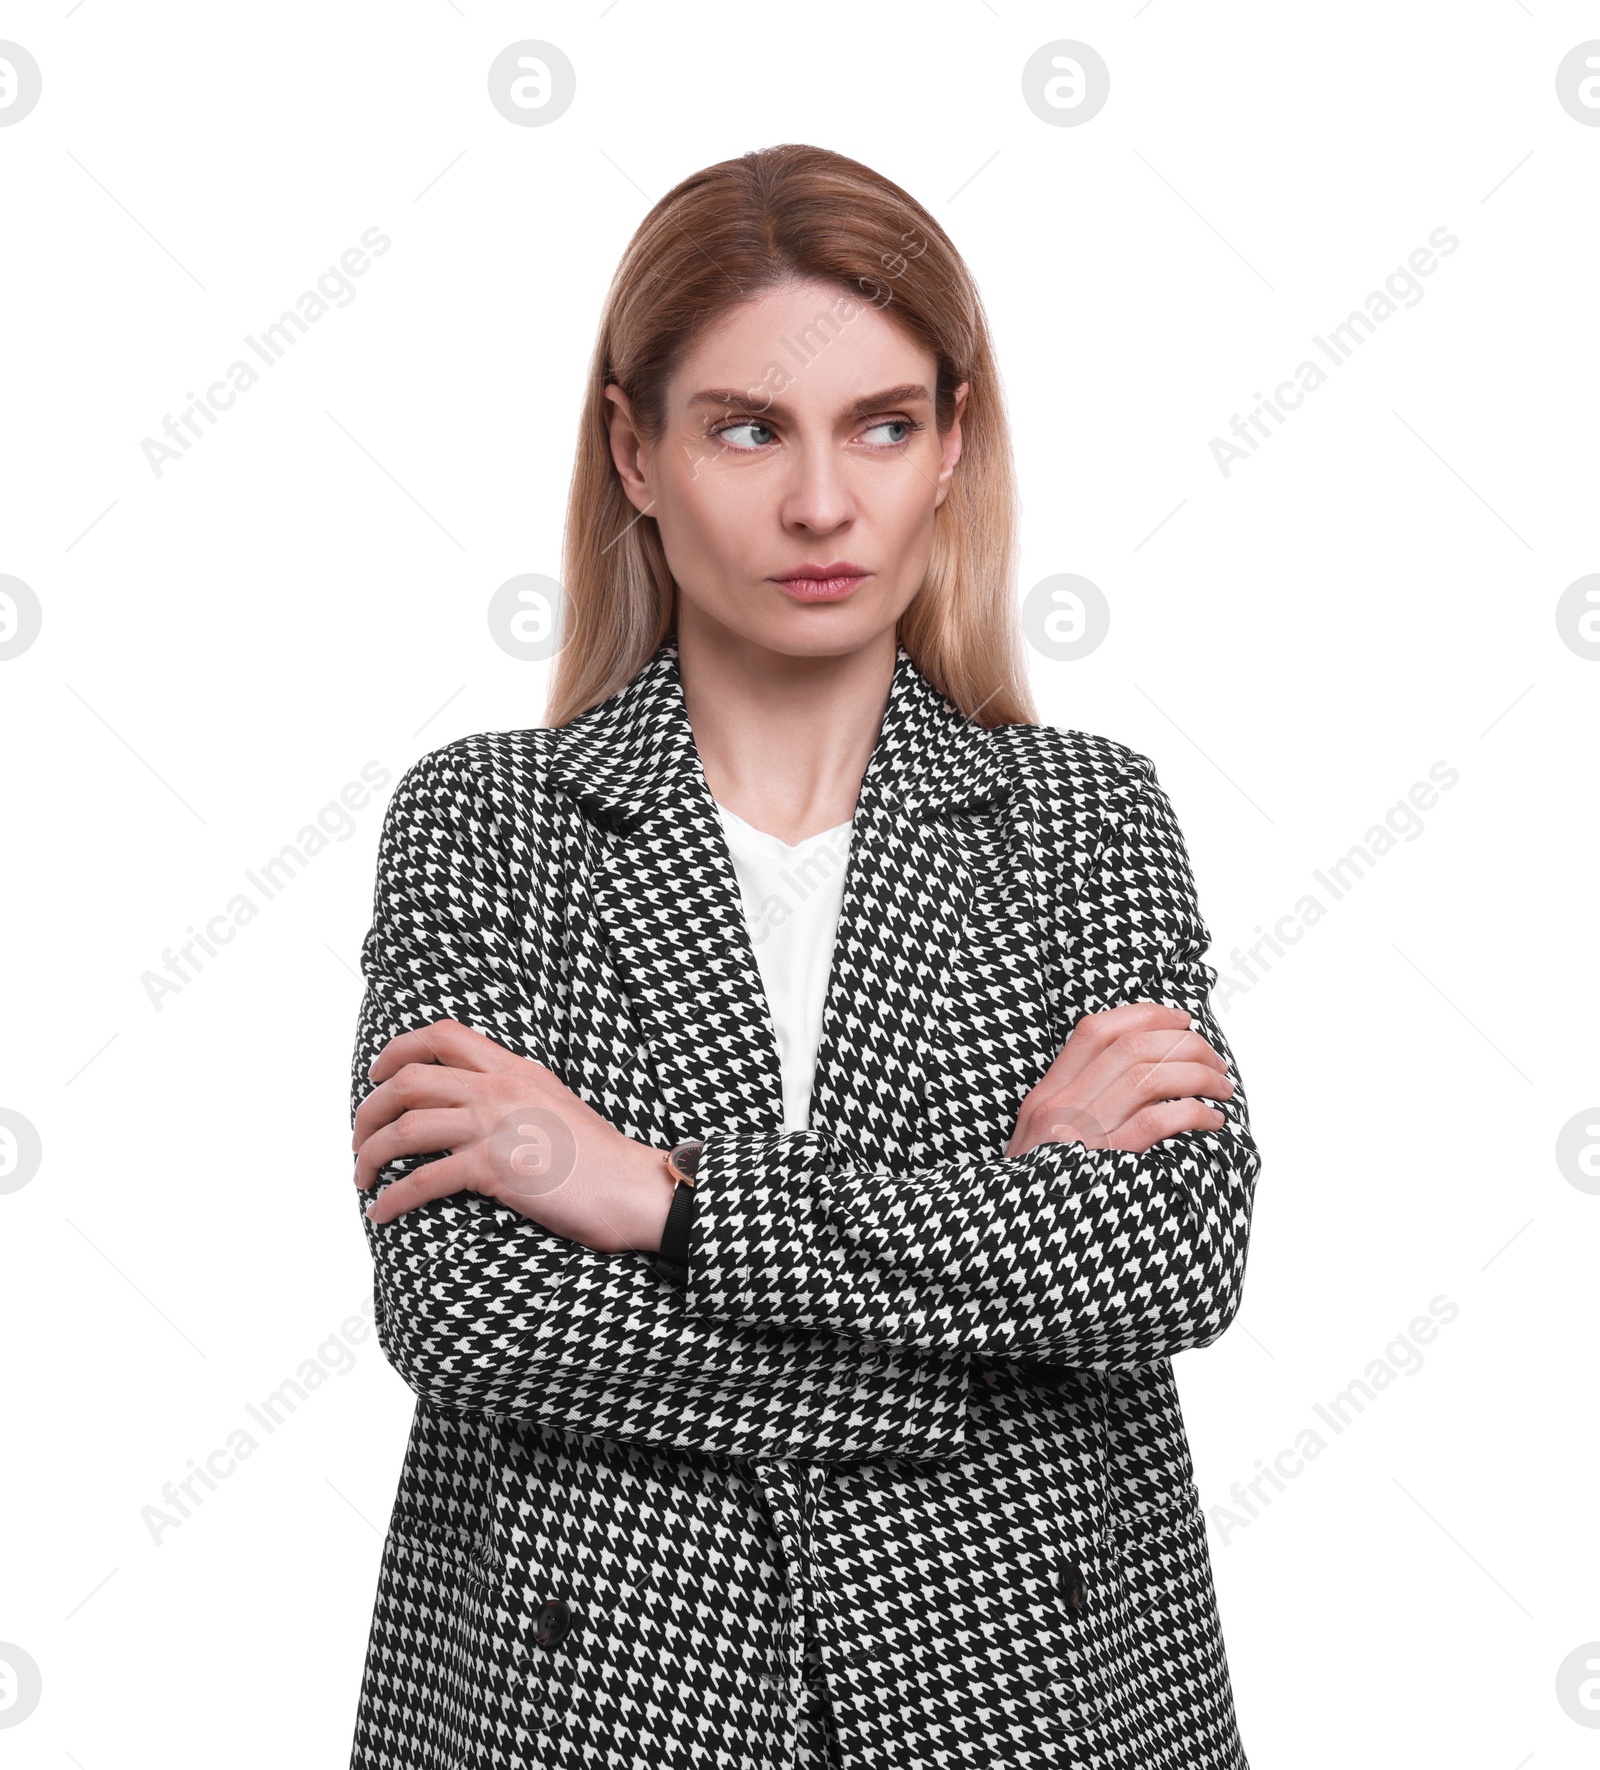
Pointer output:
480, 1308
1065, 1254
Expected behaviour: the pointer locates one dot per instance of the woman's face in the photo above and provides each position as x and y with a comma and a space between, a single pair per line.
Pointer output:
799, 435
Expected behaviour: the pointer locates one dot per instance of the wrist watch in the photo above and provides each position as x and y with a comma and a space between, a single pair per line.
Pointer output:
683, 1159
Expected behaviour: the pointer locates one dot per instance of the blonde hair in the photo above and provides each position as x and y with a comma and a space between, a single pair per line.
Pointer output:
721, 237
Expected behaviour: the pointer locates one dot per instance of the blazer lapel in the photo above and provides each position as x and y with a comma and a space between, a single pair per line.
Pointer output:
927, 834
668, 897
908, 897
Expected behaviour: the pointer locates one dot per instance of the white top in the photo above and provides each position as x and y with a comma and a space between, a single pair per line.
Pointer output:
792, 893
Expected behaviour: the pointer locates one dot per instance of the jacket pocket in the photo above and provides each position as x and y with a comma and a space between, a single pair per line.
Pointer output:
464, 1556
433, 1668
1171, 1671
442, 1507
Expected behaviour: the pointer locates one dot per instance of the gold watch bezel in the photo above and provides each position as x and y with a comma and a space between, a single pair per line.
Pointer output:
679, 1177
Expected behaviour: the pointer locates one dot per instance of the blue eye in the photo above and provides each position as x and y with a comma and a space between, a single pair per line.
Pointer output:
906, 426
745, 424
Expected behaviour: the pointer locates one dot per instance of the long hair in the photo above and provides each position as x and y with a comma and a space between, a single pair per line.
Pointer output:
719, 238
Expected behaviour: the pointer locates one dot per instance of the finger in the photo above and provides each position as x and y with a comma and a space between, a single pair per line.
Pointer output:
1162, 1119
1084, 1065
412, 1086
1143, 1084
1157, 1062
1128, 1088
1064, 1124
444, 1041
1161, 1045
413, 1133
1094, 1034
433, 1180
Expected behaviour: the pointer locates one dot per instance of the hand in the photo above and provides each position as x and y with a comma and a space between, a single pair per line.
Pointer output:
1123, 1081
515, 1132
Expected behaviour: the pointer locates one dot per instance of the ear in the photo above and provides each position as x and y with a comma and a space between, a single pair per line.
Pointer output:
627, 447
950, 447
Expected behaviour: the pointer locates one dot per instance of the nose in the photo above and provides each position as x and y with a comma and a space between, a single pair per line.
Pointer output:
818, 496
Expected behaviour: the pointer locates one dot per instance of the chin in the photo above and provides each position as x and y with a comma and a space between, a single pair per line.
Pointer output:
818, 629
826, 631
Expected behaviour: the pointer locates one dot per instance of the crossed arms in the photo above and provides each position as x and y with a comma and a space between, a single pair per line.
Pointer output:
831, 1310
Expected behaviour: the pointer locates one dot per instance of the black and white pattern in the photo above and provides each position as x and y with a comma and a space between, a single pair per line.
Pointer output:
912, 1414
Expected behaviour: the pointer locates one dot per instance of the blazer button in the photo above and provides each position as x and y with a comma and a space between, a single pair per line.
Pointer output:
555, 1618
1073, 1588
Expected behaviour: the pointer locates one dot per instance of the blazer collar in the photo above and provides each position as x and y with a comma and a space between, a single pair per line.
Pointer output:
631, 760
665, 898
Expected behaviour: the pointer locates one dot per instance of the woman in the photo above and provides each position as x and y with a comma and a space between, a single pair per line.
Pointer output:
789, 1281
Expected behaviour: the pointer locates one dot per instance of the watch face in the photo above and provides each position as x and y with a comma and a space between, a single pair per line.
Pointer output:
686, 1158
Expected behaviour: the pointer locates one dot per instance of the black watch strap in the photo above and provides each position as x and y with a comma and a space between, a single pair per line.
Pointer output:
675, 1236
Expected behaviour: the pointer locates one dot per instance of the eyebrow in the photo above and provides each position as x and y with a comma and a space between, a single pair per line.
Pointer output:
907, 393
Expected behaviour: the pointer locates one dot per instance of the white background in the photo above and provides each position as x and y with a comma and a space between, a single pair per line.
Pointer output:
1295, 643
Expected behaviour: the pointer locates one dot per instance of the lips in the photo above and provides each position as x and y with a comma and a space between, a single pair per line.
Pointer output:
822, 582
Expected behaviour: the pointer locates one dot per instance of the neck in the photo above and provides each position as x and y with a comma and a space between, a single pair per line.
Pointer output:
783, 740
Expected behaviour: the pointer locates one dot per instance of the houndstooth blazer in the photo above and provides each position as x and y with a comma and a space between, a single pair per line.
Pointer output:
911, 1410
